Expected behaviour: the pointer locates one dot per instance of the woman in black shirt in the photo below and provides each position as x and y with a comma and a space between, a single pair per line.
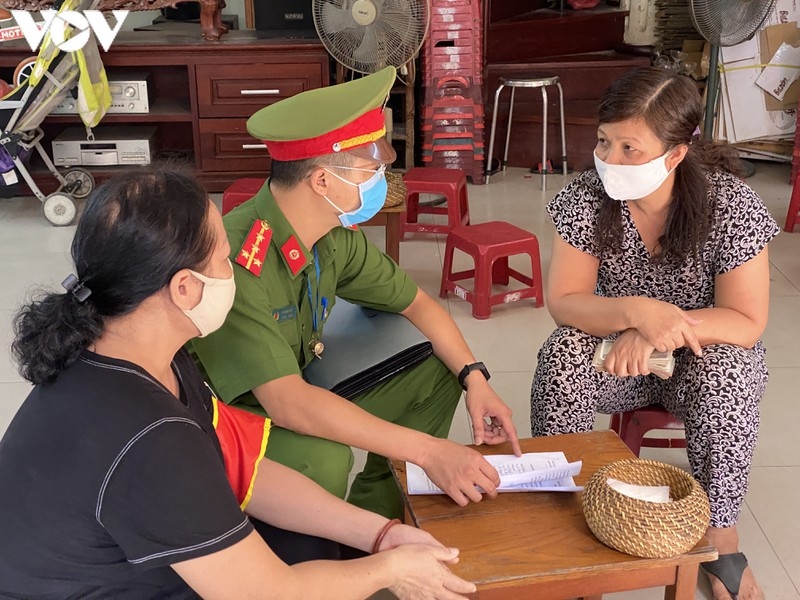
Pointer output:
116, 473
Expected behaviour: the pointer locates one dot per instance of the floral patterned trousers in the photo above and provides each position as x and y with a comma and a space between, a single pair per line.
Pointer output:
716, 395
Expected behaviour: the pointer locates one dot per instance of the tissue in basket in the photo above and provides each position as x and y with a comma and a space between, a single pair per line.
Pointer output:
639, 527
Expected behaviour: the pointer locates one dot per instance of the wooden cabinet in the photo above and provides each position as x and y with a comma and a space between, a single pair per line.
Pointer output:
201, 96
225, 145
241, 89
584, 48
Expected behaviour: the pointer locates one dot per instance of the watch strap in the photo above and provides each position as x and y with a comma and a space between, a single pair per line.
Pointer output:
476, 366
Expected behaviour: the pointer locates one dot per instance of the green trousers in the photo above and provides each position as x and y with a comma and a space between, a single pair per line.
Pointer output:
423, 398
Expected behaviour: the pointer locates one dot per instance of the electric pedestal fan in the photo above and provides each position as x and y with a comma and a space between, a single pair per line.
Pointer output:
724, 23
368, 35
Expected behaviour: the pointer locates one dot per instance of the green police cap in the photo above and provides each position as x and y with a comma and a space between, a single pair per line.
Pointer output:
348, 117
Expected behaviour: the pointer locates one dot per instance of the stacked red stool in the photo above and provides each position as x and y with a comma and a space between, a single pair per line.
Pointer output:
452, 67
240, 191
450, 183
793, 214
490, 245
796, 152
632, 428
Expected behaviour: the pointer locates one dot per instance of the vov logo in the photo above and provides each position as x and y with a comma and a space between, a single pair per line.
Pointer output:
57, 24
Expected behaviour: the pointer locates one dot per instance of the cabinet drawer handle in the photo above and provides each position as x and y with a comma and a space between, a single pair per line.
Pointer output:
253, 146
259, 92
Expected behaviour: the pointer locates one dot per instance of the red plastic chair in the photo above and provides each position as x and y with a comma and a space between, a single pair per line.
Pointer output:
451, 183
793, 214
240, 191
632, 428
490, 244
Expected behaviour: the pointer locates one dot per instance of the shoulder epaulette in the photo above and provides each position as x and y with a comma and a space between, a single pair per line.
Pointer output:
251, 256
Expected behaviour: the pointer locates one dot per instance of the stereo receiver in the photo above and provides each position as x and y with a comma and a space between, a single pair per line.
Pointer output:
130, 93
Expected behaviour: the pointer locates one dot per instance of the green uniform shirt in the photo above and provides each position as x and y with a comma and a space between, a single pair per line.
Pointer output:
267, 333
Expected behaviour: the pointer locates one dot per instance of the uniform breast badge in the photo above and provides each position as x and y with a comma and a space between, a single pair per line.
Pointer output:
317, 347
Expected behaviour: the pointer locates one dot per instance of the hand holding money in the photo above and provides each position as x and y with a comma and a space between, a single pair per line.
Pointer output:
661, 364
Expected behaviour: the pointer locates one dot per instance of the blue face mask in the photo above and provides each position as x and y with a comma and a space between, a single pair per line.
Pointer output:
372, 194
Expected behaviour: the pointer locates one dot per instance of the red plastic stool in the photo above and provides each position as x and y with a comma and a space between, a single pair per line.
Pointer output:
240, 191
793, 214
632, 428
490, 245
452, 183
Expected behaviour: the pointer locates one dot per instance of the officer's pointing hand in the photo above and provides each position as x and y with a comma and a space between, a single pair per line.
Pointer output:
491, 418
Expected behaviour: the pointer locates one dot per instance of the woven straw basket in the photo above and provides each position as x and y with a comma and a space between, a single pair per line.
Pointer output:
396, 189
639, 527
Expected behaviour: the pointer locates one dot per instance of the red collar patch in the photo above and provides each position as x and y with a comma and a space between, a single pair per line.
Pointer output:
251, 256
293, 255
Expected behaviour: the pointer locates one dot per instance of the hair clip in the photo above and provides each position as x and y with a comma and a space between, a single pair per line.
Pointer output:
696, 131
74, 286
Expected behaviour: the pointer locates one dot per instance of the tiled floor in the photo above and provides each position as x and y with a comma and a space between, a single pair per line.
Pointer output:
33, 253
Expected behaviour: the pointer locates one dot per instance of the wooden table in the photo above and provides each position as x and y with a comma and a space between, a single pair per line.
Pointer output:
390, 217
537, 545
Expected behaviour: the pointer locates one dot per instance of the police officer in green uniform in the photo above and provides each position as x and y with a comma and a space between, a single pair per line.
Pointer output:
296, 249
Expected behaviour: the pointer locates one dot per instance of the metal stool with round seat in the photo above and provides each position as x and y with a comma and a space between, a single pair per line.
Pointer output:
534, 81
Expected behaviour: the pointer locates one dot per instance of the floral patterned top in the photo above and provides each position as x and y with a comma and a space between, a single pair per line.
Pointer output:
742, 228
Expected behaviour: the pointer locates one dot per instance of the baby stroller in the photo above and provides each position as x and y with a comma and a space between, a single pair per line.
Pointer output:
51, 78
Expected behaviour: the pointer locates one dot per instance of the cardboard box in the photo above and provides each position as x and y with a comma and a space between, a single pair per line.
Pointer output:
697, 51
770, 39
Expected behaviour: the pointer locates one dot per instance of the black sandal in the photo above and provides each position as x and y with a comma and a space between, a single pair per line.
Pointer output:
728, 568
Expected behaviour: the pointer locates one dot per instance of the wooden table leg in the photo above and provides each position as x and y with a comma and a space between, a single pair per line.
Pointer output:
685, 583
393, 226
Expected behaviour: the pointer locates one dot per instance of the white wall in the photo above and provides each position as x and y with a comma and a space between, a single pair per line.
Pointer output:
640, 25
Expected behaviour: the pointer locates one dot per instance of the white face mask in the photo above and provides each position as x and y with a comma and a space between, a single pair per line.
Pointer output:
632, 182
215, 302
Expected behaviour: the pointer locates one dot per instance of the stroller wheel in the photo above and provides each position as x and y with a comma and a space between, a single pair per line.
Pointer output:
59, 208
80, 182
24, 70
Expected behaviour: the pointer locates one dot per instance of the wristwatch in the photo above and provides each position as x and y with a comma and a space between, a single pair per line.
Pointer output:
476, 366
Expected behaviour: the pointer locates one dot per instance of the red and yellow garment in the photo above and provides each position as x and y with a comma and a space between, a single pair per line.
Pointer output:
243, 438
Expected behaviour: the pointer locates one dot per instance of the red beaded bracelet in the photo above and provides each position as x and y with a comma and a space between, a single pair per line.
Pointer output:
382, 534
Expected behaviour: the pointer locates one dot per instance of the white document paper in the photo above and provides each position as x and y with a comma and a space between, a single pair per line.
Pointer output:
531, 472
